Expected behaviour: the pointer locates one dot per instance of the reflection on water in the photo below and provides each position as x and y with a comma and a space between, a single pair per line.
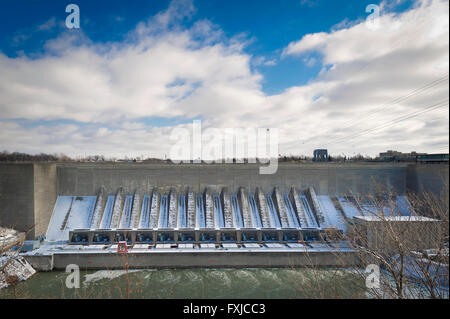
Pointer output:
195, 283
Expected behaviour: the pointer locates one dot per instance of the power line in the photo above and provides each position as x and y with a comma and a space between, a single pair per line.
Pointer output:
402, 98
393, 122
397, 120
375, 60
397, 100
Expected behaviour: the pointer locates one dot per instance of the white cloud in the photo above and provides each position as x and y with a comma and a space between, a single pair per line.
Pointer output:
308, 3
164, 70
49, 24
262, 61
309, 42
310, 61
272, 62
413, 29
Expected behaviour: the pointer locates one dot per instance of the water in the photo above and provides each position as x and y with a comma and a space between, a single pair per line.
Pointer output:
195, 283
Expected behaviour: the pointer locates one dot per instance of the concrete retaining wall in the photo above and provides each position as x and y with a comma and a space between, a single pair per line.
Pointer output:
17, 197
86, 179
44, 195
206, 259
432, 178
40, 263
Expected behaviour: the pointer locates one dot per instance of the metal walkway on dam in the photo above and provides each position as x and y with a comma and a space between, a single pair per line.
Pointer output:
211, 216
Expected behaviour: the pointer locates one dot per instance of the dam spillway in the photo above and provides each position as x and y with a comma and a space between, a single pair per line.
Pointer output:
211, 216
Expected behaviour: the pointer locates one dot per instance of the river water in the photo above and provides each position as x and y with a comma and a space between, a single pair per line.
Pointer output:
194, 283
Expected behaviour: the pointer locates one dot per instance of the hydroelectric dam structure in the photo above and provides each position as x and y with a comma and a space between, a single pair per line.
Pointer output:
199, 215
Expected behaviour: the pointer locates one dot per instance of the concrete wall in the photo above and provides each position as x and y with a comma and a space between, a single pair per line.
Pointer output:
27, 196
432, 178
44, 195
86, 179
16, 196
202, 259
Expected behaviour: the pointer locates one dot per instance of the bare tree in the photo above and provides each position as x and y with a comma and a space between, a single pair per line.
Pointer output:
411, 250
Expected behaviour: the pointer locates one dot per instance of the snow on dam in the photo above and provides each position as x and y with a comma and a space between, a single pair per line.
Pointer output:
73, 216
33, 195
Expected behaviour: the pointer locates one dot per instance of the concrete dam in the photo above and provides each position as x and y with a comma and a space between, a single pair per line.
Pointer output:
201, 215
208, 217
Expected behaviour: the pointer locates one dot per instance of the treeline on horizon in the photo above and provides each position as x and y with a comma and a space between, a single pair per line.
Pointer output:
6, 156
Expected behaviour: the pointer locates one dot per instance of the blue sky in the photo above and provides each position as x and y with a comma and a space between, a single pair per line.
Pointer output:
268, 25
311, 68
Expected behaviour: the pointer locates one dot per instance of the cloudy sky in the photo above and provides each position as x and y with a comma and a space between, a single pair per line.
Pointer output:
135, 70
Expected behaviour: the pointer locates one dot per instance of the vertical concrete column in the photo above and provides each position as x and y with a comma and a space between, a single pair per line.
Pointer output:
154, 209
226, 204
190, 209
135, 210
173, 206
209, 205
245, 209
262, 208
298, 207
118, 205
279, 205
99, 207
44, 195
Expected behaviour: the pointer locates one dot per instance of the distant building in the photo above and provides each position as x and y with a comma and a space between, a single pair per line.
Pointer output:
320, 155
394, 156
388, 155
391, 155
433, 158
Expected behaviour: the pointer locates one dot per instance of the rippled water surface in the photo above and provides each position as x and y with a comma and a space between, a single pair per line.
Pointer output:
194, 283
